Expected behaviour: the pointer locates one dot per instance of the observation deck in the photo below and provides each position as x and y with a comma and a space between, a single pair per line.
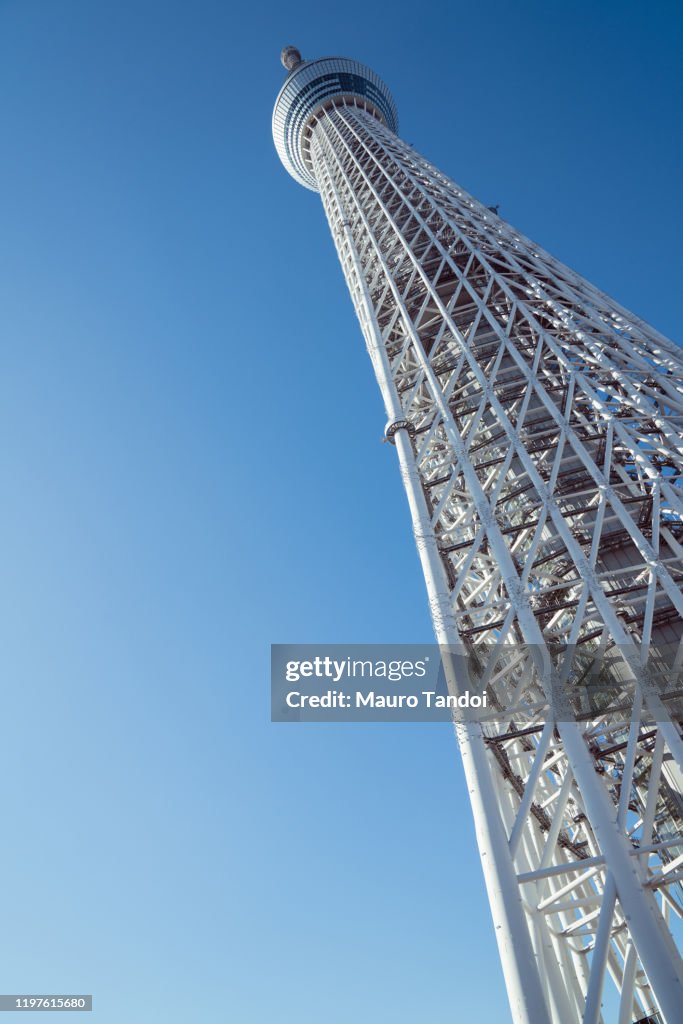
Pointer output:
315, 85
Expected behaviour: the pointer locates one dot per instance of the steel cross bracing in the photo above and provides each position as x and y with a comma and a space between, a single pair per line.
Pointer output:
539, 428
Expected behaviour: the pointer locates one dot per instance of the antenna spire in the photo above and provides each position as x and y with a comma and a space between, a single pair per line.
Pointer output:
290, 57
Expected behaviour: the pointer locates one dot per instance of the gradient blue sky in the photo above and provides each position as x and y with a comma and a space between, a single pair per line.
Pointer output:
191, 469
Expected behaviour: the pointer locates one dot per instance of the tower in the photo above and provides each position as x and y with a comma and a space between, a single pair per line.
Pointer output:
539, 432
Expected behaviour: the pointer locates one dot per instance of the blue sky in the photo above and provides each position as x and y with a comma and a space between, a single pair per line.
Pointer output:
192, 469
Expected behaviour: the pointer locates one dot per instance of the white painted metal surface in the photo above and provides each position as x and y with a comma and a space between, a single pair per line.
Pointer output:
539, 430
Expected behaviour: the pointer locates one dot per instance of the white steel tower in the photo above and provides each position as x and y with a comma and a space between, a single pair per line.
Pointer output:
539, 431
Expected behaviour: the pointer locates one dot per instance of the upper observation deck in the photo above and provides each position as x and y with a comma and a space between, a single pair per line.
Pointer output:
313, 85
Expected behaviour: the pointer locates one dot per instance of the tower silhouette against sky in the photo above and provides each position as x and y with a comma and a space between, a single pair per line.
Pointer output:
539, 432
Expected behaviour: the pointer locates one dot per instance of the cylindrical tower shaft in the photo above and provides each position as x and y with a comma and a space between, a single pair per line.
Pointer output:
539, 429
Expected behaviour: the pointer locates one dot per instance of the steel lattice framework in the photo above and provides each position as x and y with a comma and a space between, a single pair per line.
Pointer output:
539, 430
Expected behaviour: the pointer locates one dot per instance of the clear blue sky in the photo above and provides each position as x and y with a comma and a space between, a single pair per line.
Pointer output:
191, 469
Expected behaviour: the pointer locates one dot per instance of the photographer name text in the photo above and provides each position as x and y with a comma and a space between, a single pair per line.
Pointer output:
371, 699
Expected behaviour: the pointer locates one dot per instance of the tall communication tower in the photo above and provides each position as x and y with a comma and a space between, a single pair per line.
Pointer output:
539, 431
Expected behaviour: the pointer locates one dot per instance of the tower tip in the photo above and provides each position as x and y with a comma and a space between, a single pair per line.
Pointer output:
290, 57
